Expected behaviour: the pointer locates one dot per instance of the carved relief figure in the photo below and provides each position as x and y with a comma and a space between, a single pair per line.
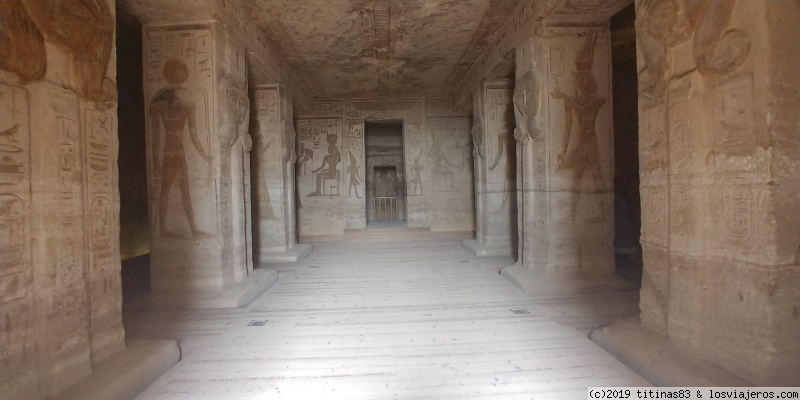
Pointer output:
716, 50
505, 147
579, 151
355, 175
86, 29
22, 48
267, 212
526, 107
174, 113
331, 161
441, 164
477, 138
305, 155
415, 179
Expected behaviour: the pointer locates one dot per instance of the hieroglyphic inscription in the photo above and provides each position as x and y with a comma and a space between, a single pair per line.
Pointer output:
17, 336
70, 195
328, 107
654, 137
737, 214
655, 225
267, 146
191, 46
679, 120
734, 131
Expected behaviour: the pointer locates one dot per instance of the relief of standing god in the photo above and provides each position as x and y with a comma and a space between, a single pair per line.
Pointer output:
579, 150
174, 113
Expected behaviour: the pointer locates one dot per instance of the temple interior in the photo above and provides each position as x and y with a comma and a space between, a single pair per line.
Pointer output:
240, 199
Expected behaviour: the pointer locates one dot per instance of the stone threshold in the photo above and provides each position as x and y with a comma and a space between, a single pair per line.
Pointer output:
127, 373
658, 359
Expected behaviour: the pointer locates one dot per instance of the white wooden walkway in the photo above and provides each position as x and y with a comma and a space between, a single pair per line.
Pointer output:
388, 321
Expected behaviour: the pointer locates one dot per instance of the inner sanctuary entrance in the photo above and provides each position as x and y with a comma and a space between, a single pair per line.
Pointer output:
385, 180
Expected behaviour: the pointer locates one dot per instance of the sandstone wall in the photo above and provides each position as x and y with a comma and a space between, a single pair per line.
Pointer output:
719, 180
60, 267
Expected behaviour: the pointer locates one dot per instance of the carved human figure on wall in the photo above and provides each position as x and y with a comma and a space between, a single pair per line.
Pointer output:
579, 150
415, 179
441, 164
330, 166
526, 107
174, 113
506, 146
477, 138
355, 175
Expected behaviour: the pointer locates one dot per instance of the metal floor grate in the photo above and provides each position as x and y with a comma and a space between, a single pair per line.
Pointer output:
520, 311
257, 322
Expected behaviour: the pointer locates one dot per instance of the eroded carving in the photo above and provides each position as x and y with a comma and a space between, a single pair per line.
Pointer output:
717, 50
22, 45
85, 28
174, 109
579, 149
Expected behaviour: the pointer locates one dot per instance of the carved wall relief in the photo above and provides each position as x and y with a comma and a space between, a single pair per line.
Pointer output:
526, 107
450, 153
319, 157
734, 131
415, 144
717, 50
579, 146
22, 48
354, 145
266, 140
178, 84
16, 297
500, 126
85, 28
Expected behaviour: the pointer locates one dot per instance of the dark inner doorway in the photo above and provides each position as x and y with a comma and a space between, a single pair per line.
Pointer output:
385, 181
627, 210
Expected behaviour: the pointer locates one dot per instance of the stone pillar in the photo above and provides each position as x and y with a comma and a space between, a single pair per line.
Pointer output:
719, 157
274, 156
569, 219
495, 170
198, 168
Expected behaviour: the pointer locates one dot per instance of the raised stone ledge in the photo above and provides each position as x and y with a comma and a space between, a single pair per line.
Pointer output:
657, 359
488, 250
126, 374
235, 295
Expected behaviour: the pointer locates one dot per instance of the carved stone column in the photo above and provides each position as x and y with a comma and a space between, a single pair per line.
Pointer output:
274, 157
495, 170
572, 225
198, 168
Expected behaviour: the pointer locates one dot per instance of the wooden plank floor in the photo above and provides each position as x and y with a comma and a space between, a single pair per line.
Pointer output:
388, 321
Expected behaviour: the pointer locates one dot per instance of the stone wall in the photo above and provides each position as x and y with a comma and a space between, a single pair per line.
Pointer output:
719, 180
60, 269
437, 154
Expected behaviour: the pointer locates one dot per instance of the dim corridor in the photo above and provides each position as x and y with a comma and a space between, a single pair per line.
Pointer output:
394, 320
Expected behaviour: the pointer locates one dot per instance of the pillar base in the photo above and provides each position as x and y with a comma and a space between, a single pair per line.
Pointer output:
128, 372
543, 284
487, 250
657, 359
295, 254
234, 295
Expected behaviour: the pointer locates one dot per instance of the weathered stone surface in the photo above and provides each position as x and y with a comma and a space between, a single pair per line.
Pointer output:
59, 267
